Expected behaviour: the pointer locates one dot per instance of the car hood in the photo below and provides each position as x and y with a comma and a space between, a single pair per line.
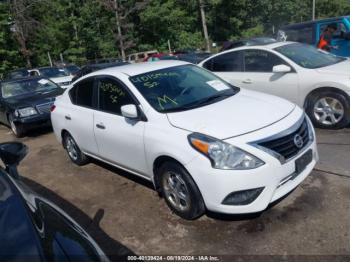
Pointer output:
342, 68
61, 79
33, 99
240, 114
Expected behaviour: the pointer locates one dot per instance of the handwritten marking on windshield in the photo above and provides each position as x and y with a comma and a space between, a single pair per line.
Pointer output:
153, 76
165, 100
151, 84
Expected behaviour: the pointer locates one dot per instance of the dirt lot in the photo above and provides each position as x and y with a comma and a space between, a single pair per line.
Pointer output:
124, 214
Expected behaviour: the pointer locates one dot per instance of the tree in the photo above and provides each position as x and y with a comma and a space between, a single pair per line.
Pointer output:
204, 24
89, 29
175, 20
23, 25
122, 10
9, 55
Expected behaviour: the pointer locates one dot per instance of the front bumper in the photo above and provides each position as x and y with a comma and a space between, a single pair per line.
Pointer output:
34, 121
215, 184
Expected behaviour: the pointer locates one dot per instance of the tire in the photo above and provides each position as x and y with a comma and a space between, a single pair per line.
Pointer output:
321, 106
73, 151
16, 128
180, 191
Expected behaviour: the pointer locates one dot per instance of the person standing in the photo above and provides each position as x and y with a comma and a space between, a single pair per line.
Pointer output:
325, 42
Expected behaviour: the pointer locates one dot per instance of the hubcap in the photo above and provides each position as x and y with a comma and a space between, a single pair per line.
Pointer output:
175, 190
71, 148
328, 111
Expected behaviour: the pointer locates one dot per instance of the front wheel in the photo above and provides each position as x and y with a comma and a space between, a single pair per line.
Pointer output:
180, 191
73, 150
17, 129
330, 110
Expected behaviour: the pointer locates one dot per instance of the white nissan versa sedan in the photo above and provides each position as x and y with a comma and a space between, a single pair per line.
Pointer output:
315, 80
204, 143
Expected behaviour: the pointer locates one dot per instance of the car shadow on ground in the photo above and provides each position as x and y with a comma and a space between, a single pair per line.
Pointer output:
32, 133
120, 172
210, 214
112, 248
38, 132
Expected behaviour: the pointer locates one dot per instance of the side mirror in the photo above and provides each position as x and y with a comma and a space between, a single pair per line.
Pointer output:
130, 111
281, 69
12, 153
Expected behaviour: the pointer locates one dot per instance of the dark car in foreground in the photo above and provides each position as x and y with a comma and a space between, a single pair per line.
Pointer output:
26, 103
31, 227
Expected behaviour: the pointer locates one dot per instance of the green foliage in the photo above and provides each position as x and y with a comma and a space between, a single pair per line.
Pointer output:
9, 55
169, 20
326, 8
82, 30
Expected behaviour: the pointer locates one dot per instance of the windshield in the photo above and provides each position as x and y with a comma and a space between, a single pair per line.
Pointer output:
25, 87
71, 69
308, 56
180, 88
53, 72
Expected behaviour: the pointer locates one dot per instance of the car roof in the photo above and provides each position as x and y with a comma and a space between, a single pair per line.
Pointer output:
105, 65
254, 41
267, 46
46, 67
297, 25
22, 79
140, 68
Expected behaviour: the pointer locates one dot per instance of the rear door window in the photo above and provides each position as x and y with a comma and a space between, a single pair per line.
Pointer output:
82, 93
227, 62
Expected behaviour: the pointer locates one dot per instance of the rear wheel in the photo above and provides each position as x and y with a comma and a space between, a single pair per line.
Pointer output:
73, 150
17, 129
329, 110
180, 191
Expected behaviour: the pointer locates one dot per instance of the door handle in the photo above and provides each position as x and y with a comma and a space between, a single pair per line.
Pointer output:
247, 81
100, 126
68, 117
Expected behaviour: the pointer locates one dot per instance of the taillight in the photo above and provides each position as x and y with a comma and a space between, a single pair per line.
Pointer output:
52, 108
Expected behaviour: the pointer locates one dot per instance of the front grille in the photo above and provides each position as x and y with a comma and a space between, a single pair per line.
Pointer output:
286, 145
44, 108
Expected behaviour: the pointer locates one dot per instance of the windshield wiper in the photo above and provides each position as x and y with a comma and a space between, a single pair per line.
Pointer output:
201, 102
213, 98
180, 108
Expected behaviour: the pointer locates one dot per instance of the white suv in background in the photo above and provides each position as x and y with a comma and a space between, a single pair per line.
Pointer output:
204, 143
315, 80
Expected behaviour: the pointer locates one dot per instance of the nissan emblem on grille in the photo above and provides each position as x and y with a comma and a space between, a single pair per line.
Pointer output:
298, 141
288, 145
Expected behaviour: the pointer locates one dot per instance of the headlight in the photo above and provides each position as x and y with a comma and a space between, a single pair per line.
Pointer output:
223, 155
310, 129
27, 111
